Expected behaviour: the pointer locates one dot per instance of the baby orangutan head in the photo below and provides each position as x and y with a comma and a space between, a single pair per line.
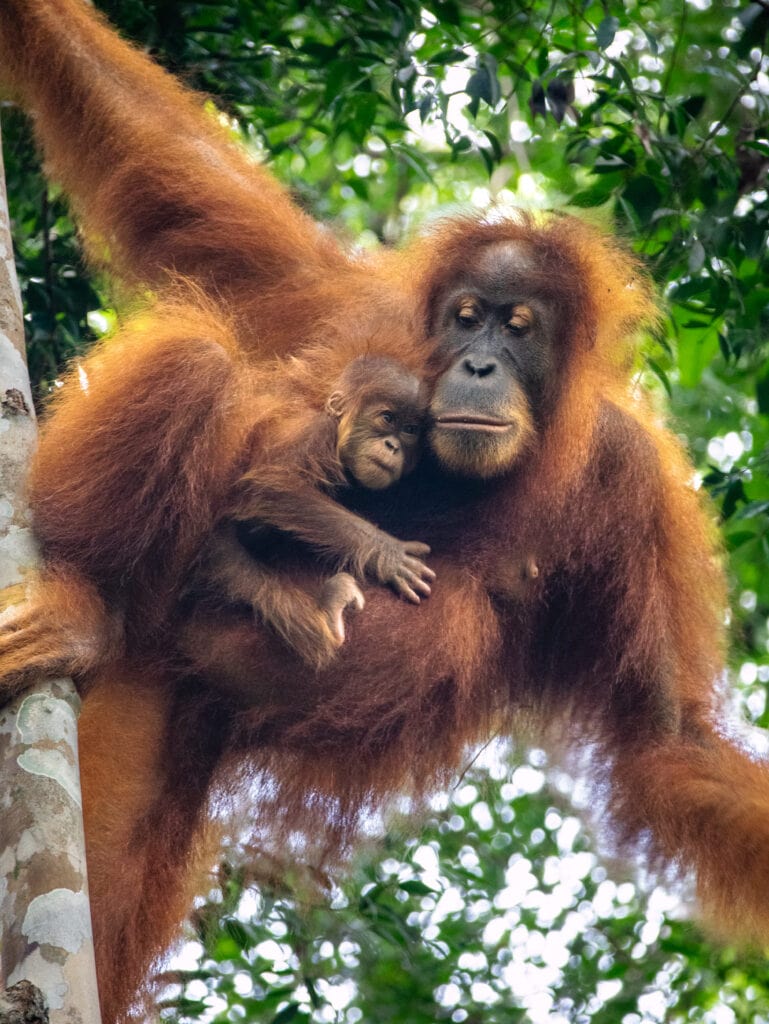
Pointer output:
379, 406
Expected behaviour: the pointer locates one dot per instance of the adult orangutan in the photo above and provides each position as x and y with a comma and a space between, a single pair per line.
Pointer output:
577, 577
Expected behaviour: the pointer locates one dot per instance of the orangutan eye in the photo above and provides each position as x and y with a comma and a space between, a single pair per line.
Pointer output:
468, 315
520, 320
411, 429
387, 416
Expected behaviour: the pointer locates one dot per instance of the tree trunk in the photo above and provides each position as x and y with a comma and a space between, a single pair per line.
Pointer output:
45, 921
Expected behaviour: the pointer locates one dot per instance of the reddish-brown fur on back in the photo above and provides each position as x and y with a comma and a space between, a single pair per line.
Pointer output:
615, 642
175, 432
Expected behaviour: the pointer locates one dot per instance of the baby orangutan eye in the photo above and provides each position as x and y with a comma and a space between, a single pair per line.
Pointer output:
520, 319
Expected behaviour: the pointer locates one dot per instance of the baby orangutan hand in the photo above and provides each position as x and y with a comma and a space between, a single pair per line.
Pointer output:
400, 564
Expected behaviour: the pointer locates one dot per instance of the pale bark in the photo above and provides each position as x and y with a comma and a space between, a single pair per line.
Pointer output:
45, 923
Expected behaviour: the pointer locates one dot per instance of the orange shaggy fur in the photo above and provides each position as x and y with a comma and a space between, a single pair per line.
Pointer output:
616, 643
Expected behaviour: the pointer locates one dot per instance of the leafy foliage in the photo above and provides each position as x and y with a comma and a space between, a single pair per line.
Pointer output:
499, 912
650, 115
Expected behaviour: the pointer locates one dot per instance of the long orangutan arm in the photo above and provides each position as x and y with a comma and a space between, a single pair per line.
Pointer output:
296, 507
685, 788
154, 178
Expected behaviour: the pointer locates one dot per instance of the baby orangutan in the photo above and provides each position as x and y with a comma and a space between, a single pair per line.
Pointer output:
367, 436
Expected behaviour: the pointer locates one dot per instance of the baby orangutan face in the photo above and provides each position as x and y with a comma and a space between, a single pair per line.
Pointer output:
379, 407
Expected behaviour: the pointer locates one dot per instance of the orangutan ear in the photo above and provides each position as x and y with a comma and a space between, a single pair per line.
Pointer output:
335, 405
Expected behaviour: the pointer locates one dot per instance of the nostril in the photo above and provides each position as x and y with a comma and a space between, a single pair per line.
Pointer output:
480, 367
392, 445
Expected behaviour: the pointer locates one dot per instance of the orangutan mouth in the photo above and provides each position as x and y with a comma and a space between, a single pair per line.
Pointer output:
463, 421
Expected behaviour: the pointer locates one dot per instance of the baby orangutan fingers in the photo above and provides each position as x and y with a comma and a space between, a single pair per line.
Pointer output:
399, 563
340, 593
411, 577
419, 550
410, 586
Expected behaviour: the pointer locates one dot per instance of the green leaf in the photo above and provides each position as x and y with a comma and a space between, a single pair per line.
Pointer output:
696, 259
560, 96
692, 107
734, 541
406, 74
762, 393
695, 286
483, 85
237, 932
537, 100
595, 196
696, 348
495, 145
452, 56
278, 135
734, 496
606, 32
652, 41
286, 1014
644, 196
415, 887
658, 371
426, 104
752, 509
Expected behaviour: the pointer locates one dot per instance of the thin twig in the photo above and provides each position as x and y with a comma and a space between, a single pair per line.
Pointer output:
730, 109
482, 750
676, 48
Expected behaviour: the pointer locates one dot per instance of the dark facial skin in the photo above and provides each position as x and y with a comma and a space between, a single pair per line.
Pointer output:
378, 436
496, 354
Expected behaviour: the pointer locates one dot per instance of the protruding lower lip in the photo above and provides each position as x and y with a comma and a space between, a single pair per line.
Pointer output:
460, 421
384, 466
